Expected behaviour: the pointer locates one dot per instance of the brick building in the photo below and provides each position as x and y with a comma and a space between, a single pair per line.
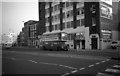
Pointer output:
89, 25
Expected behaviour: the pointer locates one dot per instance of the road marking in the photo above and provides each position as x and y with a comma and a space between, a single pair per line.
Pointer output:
103, 61
97, 63
65, 74
116, 66
112, 70
90, 65
68, 67
81, 68
13, 58
74, 71
12, 51
48, 63
107, 59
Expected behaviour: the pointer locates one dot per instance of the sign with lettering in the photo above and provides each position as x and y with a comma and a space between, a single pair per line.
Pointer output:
106, 34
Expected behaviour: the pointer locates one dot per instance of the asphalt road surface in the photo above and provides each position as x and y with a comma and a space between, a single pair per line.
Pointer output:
53, 62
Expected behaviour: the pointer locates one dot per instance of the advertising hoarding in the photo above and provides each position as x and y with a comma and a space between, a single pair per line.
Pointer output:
105, 11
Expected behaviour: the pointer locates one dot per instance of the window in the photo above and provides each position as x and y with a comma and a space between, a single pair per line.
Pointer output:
68, 4
69, 13
78, 11
64, 15
82, 10
78, 22
55, 27
68, 24
63, 25
82, 22
58, 26
93, 22
47, 28
47, 11
64, 4
56, 7
71, 23
47, 20
56, 17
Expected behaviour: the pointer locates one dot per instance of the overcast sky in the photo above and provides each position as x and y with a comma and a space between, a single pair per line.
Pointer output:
13, 13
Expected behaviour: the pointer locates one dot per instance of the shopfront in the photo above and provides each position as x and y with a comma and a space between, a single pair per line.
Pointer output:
80, 41
106, 39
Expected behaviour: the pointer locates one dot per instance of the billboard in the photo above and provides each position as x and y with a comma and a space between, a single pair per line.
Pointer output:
107, 1
106, 11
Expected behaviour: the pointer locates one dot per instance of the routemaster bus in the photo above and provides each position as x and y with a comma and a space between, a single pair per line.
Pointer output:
56, 41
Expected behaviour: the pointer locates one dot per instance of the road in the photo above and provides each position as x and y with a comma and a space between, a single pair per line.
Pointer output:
54, 62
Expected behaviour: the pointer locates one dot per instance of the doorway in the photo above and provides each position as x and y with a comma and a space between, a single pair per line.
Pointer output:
83, 44
94, 43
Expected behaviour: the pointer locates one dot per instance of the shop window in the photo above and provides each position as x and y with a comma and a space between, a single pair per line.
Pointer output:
63, 25
82, 22
78, 23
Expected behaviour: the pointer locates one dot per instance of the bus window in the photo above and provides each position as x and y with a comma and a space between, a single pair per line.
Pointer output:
46, 43
55, 43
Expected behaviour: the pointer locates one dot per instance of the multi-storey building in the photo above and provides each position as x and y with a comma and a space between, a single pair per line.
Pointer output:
31, 32
89, 25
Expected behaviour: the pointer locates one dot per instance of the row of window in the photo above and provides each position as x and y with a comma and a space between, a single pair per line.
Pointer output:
68, 14
57, 7
33, 34
67, 25
54, 8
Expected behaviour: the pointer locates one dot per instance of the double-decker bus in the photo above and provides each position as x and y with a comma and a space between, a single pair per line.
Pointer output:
54, 41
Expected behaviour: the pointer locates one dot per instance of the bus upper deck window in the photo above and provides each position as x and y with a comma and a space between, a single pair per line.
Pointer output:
46, 42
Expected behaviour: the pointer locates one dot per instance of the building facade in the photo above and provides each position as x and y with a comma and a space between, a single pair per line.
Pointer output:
31, 32
89, 25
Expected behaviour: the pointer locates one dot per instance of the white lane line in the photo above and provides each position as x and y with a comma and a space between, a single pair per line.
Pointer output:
74, 71
107, 59
116, 66
97, 63
48, 63
112, 70
65, 66
81, 68
90, 65
65, 74
32, 61
103, 61
68, 67
13, 58
12, 51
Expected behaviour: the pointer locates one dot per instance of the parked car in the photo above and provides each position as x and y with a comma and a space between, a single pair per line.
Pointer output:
115, 44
